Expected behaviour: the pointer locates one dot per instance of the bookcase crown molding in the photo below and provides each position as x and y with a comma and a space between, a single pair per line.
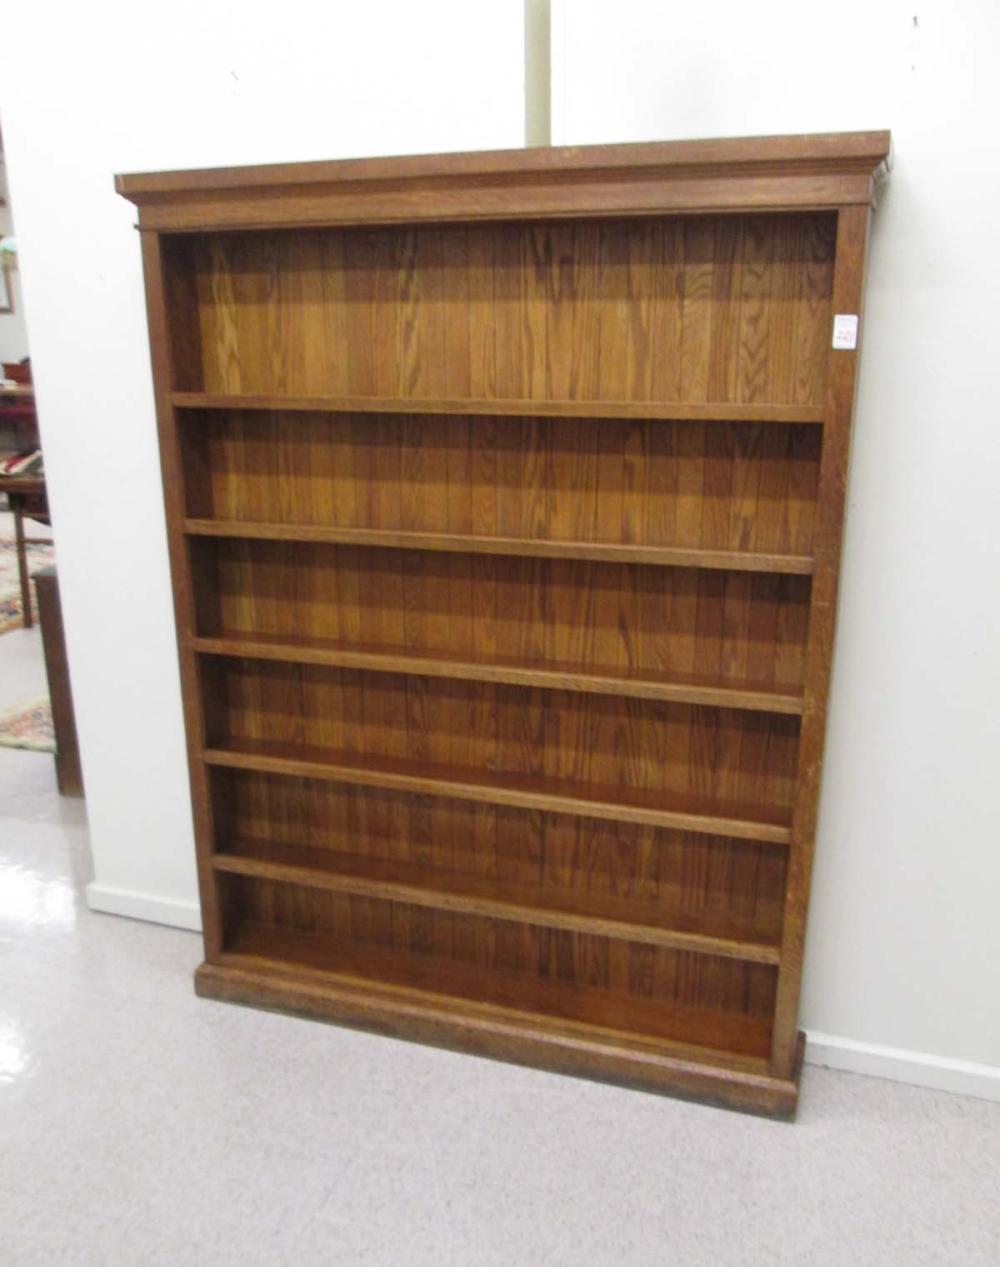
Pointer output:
822, 170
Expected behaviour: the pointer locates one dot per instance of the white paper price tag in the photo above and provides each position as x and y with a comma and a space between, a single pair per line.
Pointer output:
845, 330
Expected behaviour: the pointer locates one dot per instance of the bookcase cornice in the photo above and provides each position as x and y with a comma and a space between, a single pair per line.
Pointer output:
818, 171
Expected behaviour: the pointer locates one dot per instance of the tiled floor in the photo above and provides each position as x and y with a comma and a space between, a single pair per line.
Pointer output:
140, 1125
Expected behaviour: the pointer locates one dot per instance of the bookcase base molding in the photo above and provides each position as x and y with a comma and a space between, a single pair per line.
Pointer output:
504, 499
480, 1030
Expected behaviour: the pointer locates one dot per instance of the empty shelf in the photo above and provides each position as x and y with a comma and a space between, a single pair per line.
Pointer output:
512, 996
461, 543
636, 683
599, 914
719, 411
685, 812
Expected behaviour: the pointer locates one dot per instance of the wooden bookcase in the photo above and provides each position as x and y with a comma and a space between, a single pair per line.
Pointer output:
504, 496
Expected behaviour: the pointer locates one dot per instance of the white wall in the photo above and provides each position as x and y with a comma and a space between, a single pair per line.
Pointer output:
107, 87
904, 945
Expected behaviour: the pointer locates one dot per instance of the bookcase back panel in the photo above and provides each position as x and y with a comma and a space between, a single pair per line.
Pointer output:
639, 745
713, 308
732, 886
700, 999
702, 623
727, 486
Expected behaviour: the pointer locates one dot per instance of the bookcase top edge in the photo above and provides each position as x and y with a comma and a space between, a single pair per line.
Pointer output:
821, 153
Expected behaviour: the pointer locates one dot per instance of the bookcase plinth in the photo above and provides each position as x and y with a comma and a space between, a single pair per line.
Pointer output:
521, 1040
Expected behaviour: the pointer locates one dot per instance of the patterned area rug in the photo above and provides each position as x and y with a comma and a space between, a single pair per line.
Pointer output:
11, 615
28, 725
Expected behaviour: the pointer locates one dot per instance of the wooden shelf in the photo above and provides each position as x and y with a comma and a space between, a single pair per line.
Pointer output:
458, 543
513, 995
336, 464
687, 813
690, 411
635, 683
417, 885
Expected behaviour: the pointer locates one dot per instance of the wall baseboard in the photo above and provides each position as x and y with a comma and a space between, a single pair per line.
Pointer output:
147, 906
942, 1073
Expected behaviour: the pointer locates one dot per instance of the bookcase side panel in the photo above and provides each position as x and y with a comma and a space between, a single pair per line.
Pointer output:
162, 288
853, 224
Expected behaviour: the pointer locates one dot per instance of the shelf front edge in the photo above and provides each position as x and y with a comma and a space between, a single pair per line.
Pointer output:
517, 791
539, 914
518, 547
557, 677
640, 410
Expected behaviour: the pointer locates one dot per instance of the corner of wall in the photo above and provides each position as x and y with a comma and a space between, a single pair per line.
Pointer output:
152, 907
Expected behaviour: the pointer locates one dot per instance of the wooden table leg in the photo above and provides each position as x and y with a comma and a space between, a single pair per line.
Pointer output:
68, 774
17, 506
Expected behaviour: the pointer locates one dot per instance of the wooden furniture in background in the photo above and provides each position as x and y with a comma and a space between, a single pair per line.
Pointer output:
17, 408
504, 496
69, 776
17, 402
25, 494
27, 500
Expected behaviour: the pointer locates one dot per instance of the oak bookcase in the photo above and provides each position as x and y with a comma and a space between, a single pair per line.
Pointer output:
504, 495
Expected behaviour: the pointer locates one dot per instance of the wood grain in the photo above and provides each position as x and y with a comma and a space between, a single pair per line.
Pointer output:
415, 884
687, 811
730, 631
504, 497
751, 174
199, 711
847, 151
632, 745
681, 411
339, 937
852, 242
723, 885
631, 1059
523, 547
508, 670
756, 483
553, 296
